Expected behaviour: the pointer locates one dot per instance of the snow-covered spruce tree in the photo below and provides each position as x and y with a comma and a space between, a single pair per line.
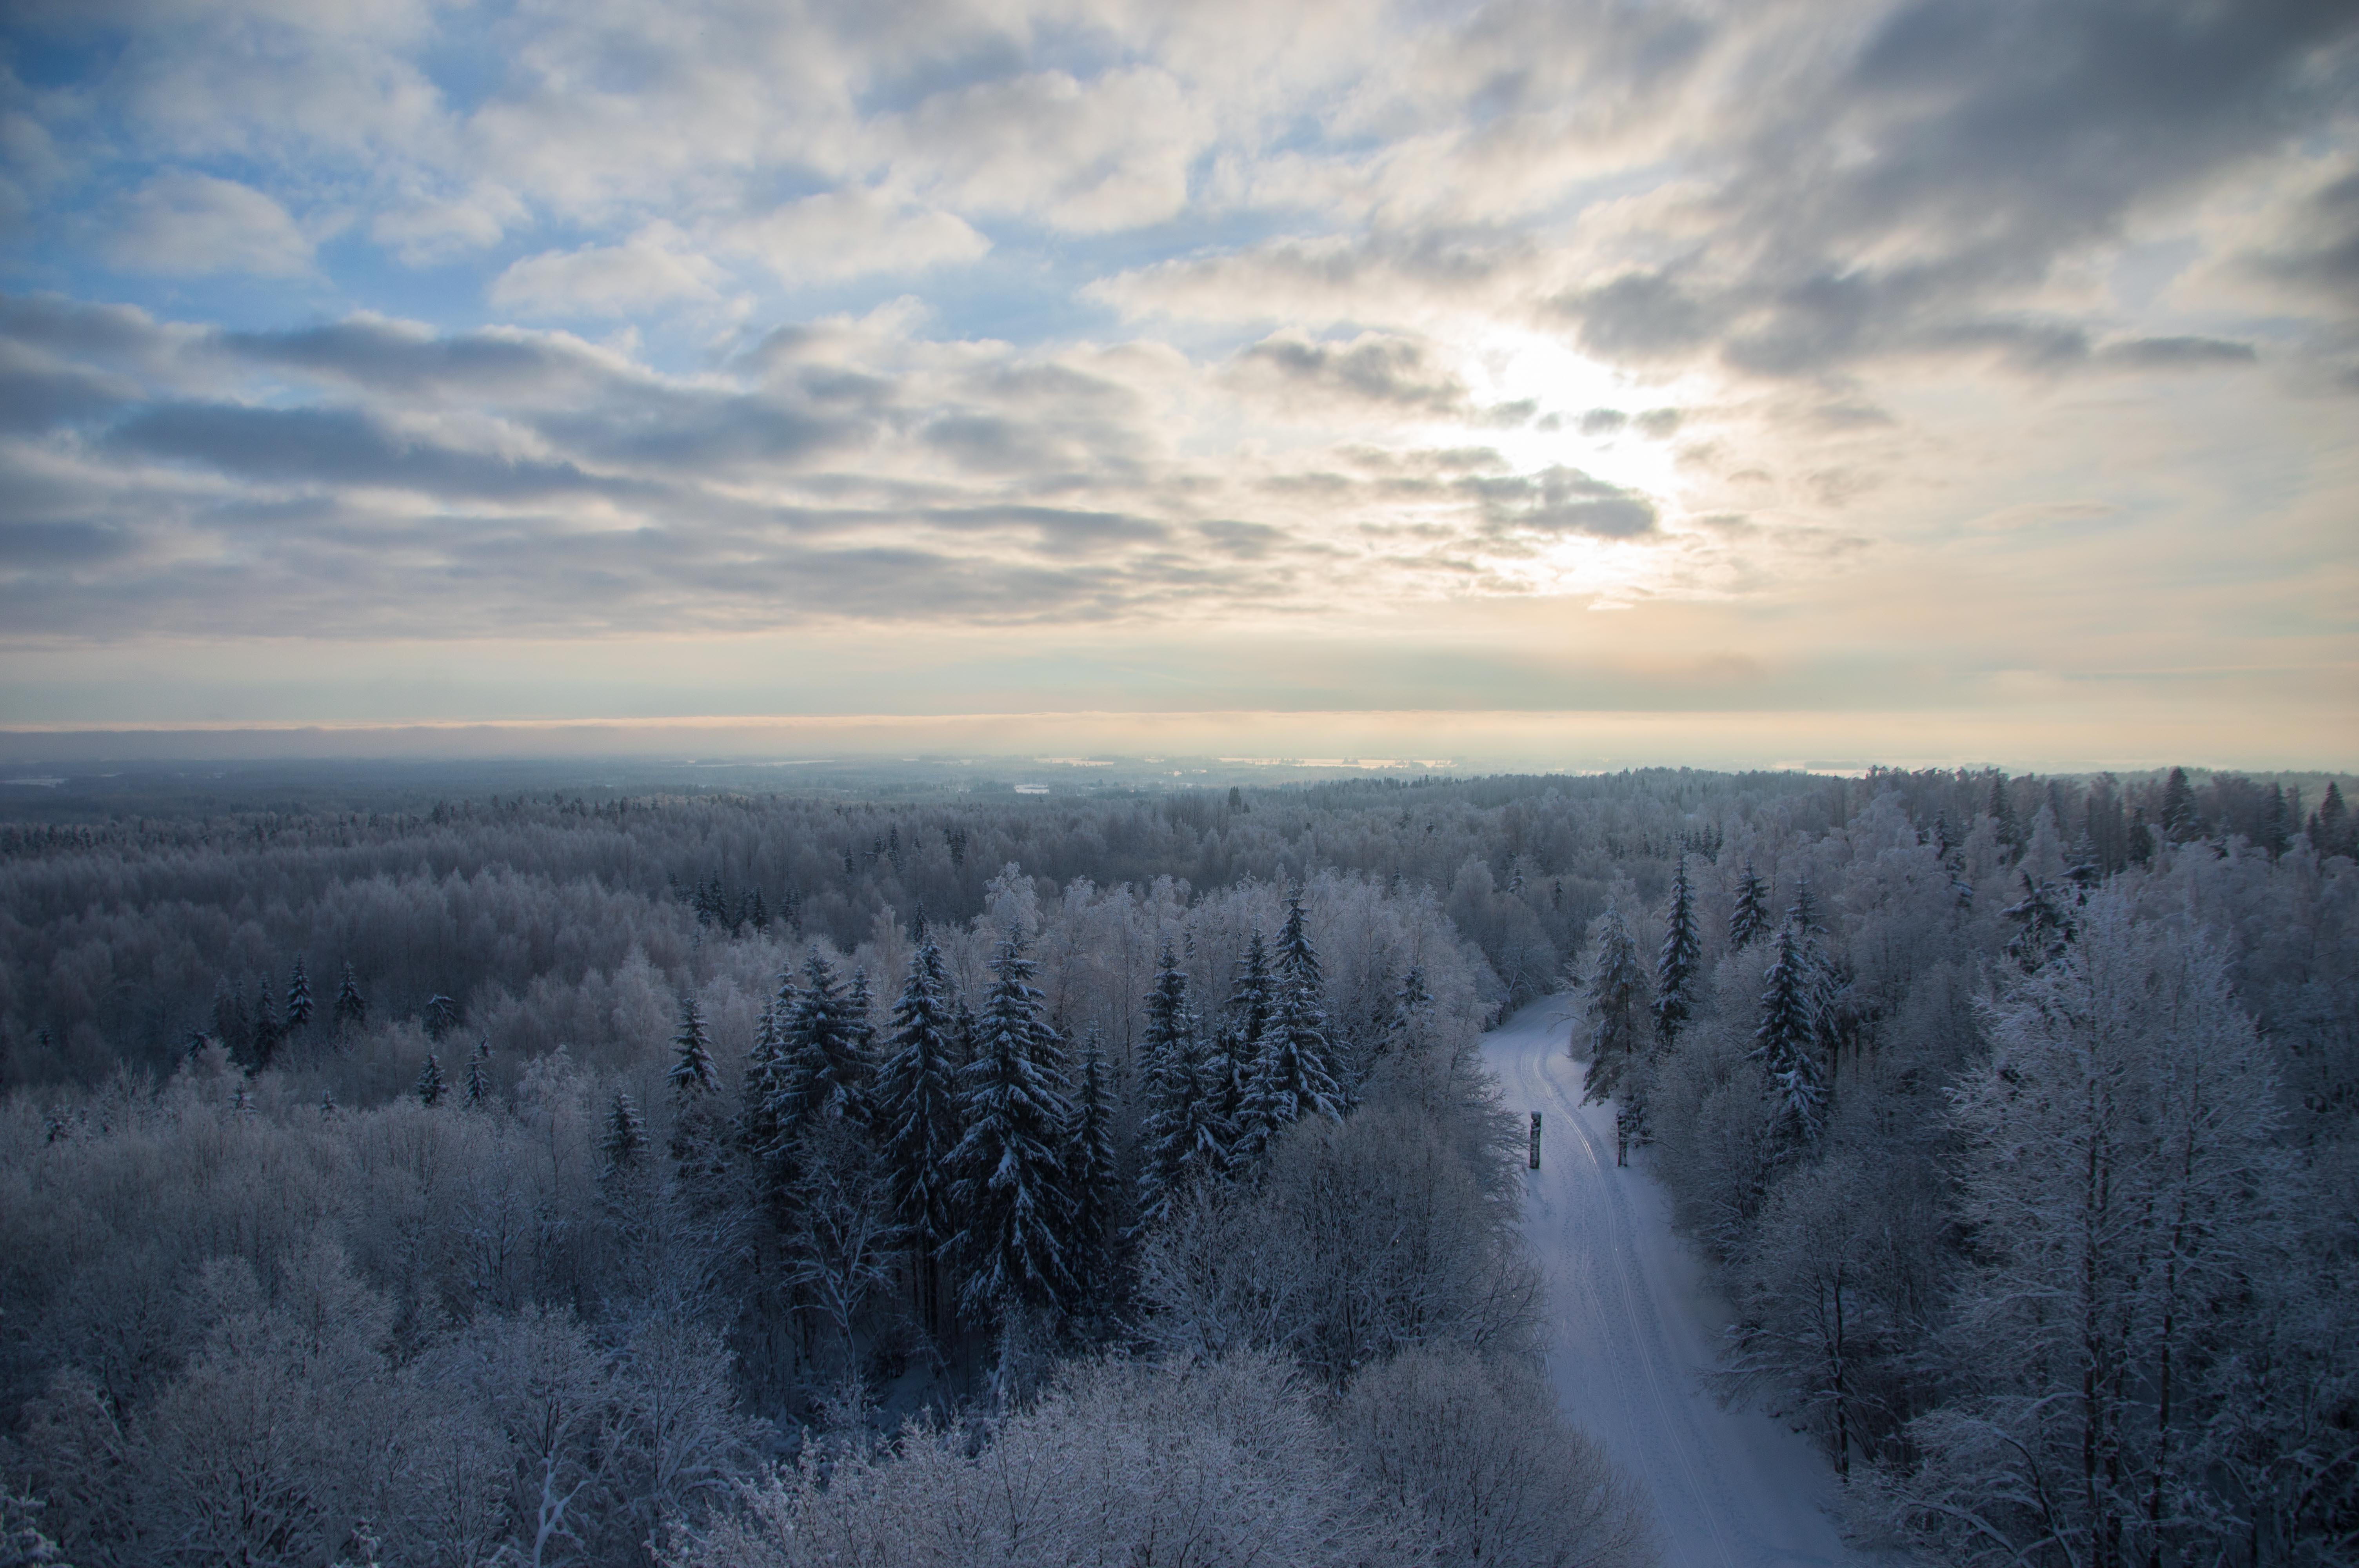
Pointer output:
300, 1006
827, 1071
1785, 1040
1802, 914
350, 1007
1009, 1170
477, 1090
1297, 960
1253, 995
2045, 925
692, 1072
430, 1087
1748, 917
1094, 1176
2125, 1194
918, 1123
439, 1017
860, 1016
267, 1035
624, 1142
769, 1163
2180, 820
2329, 825
699, 1137
1183, 1138
758, 1085
1291, 1080
1682, 956
1616, 987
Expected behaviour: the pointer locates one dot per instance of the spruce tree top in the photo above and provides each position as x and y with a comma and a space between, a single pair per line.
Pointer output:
692, 1072
1297, 959
350, 1006
1253, 995
827, 1067
1682, 956
299, 998
1749, 917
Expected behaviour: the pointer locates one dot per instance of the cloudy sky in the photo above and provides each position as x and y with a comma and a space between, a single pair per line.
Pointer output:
1951, 380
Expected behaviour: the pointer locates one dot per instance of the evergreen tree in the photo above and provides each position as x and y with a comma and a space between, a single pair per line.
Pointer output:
1803, 914
758, 1082
268, 1034
917, 1117
2277, 824
1297, 959
2179, 819
860, 1014
1290, 1079
625, 1140
759, 1091
2045, 925
692, 1073
350, 1007
1785, 1042
1617, 993
1749, 918
1253, 995
826, 1071
1093, 1173
478, 1089
2141, 838
2001, 811
232, 1024
328, 1107
699, 1133
440, 1017
1682, 954
1183, 1137
299, 999
2329, 825
430, 1086
1010, 1179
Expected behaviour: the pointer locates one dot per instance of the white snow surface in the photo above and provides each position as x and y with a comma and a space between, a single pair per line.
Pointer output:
1632, 1326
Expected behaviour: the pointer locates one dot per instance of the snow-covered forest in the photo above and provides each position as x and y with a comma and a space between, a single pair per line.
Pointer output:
782, 1179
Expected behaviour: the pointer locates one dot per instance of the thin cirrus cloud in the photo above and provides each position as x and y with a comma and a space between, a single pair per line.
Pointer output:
392, 323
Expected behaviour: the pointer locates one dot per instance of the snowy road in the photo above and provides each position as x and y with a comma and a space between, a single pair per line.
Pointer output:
1631, 1326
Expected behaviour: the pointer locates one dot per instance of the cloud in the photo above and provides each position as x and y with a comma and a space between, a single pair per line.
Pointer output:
1111, 152
37, 393
2174, 353
2320, 251
653, 268
1564, 501
188, 224
337, 446
1372, 369
406, 357
853, 233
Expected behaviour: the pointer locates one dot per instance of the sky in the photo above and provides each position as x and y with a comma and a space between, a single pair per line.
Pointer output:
1593, 384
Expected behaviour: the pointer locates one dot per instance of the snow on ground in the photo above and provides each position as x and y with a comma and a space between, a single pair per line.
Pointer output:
1631, 1326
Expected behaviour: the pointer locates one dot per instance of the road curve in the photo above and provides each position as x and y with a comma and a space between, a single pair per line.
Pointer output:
1631, 1326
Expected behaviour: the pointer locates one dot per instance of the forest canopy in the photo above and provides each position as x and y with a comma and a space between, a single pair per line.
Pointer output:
621, 1178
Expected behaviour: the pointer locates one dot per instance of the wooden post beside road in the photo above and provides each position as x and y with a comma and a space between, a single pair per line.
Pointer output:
1536, 1141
